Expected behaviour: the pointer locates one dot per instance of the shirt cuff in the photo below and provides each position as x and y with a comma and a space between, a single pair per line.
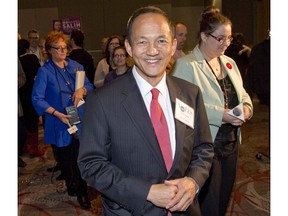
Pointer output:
197, 186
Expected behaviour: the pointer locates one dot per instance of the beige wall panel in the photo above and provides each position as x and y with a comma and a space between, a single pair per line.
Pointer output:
38, 18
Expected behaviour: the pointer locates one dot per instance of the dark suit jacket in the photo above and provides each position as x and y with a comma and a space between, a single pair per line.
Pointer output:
119, 153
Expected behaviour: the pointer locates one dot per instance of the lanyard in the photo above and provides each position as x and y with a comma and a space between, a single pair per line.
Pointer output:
223, 82
67, 82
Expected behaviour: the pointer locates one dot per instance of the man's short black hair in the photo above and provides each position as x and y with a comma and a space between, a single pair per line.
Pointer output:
78, 37
144, 10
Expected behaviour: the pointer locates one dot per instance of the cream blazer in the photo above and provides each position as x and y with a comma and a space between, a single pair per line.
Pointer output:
193, 68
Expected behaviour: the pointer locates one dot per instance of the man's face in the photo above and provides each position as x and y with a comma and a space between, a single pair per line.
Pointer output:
151, 46
33, 39
181, 35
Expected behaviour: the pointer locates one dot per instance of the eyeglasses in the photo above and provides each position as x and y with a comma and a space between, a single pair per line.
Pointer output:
59, 48
222, 39
119, 55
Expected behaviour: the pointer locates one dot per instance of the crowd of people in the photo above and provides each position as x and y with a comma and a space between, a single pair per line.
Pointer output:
142, 137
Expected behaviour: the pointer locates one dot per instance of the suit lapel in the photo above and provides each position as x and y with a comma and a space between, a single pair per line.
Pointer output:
136, 109
206, 70
203, 65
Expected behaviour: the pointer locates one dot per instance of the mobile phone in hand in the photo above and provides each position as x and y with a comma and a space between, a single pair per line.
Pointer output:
74, 119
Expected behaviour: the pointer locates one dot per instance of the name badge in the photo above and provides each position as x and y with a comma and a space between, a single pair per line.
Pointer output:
184, 113
72, 129
81, 102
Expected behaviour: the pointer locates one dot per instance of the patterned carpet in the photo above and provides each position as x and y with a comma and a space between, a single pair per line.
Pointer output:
252, 189
39, 193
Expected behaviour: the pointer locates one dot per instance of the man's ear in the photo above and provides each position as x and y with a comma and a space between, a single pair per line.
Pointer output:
174, 46
128, 47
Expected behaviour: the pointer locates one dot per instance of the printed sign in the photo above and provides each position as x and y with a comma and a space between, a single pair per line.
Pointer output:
66, 25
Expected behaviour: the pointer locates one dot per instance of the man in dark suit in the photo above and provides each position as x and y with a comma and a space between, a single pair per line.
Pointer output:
120, 152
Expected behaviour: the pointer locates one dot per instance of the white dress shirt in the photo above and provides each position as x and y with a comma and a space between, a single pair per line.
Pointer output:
163, 99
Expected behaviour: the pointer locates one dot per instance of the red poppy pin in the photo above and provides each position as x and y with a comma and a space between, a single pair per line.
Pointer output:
229, 66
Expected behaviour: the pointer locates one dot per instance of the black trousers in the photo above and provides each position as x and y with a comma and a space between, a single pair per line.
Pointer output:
67, 158
55, 152
22, 134
214, 196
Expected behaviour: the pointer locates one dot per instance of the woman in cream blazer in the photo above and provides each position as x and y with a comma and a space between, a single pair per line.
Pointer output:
193, 68
221, 84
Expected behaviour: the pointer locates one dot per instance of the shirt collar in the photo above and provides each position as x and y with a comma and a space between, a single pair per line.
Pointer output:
145, 87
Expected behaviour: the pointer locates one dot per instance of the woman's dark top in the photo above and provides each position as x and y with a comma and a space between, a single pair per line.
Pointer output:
113, 75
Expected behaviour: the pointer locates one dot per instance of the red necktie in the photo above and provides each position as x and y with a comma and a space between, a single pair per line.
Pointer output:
161, 128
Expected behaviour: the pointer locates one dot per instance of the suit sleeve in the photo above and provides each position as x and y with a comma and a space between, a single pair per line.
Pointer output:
203, 150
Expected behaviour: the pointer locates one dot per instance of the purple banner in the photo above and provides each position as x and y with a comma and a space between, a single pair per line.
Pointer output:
67, 25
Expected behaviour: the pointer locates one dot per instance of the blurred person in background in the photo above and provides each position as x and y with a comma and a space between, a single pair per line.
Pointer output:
79, 54
33, 38
181, 37
22, 134
105, 65
259, 75
44, 55
120, 57
30, 65
240, 53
